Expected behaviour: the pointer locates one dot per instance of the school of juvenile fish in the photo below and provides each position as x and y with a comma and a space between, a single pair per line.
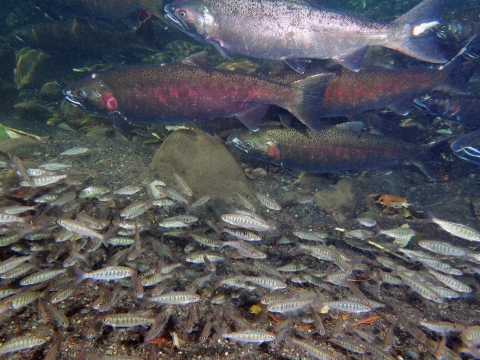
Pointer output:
165, 275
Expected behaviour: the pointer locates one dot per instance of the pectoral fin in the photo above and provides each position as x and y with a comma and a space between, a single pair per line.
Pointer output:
353, 60
296, 64
121, 124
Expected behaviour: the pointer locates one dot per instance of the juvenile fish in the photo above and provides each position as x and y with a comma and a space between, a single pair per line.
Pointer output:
127, 320
93, 191
54, 166
397, 233
268, 202
203, 200
292, 304
316, 351
243, 234
311, 235
442, 248
59, 316
136, 209
250, 222
348, 306
44, 180
127, 190
107, 273
359, 234
366, 221
74, 151
245, 248
459, 230
176, 298
246, 336
266, 282
41, 276
21, 343
423, 290
79, 228
182, 183
451, 282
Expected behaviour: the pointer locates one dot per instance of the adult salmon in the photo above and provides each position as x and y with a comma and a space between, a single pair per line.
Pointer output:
183, 92
295, 30
339, 148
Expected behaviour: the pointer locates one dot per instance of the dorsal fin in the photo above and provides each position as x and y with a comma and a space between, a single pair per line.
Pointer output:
197, 59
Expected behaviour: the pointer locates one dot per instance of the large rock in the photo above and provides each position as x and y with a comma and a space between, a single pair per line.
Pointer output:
340, 200
34, 68
23, 147
107, 133
205, 164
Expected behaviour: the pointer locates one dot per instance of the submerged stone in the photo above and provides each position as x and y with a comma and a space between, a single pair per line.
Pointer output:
340, 200
205, 164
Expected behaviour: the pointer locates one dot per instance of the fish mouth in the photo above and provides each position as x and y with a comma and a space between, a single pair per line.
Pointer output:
236, 142
421, 105
72, 100
175, 22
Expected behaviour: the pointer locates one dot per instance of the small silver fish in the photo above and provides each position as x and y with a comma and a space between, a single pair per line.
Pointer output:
74, 151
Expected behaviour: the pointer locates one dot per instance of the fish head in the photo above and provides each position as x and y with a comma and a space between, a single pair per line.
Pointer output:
258, 145
435, 105
91, 95
193, 18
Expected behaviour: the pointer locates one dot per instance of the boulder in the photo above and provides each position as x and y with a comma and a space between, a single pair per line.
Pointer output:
340, 200
205, 164
34, 68
51, 92
107, 133
23, 147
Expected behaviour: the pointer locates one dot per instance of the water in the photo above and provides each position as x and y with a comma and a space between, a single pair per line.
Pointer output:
40, 125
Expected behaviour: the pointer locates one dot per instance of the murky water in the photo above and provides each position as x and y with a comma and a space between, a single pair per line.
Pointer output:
221, 246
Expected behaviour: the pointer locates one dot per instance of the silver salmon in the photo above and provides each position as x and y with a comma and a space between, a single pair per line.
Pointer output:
293, 31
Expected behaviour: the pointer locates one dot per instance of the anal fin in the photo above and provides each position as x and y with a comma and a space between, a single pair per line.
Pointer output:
206, 125
252, 118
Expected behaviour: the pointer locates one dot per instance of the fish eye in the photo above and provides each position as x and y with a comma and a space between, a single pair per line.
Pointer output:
248, 144
182, 13
80, 94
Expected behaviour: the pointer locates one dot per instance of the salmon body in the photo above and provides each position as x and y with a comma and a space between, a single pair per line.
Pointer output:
337, 149
350, 92
179, 93
295, 30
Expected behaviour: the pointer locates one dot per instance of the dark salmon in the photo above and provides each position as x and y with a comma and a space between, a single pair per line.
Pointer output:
350, 92
182, 92
293, 30
337, 149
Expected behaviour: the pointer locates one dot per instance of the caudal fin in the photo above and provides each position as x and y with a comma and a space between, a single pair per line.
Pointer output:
307, 106
427, 163
411, 36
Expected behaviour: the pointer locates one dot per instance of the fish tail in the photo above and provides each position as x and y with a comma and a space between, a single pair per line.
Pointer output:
80, 276
273, 228
458, 72
426, 164
430, 218
410, 32
307, 106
